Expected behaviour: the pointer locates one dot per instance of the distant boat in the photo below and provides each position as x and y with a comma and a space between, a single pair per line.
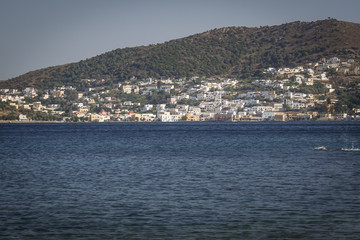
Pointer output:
352, 149
322, 148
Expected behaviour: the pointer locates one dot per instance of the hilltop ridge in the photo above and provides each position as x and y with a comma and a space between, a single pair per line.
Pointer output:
239, 52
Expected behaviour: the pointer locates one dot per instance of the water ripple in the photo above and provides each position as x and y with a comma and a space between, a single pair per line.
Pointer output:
179, 181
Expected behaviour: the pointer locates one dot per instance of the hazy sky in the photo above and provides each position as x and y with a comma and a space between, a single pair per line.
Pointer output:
40, 33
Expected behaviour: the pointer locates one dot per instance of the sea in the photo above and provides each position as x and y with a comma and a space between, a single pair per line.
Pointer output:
212, 180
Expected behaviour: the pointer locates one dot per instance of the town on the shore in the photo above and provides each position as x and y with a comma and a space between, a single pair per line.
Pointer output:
277, 97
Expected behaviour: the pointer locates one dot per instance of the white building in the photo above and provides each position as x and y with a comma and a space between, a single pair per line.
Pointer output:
167, 117
147, 107
23, 117
30, 92
128, 89
160, 107
268, 115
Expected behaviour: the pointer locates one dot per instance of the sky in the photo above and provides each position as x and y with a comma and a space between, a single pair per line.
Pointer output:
36, 34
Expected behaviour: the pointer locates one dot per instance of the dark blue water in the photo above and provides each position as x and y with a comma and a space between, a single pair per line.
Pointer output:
179, 181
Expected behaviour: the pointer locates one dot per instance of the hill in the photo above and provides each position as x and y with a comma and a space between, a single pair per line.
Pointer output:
239, 52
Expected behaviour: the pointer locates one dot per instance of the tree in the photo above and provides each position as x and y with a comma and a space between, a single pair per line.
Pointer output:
71, 95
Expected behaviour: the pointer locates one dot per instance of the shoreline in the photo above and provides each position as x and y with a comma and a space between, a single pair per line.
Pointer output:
247, 121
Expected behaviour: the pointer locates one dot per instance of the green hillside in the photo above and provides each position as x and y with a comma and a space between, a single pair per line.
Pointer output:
239, 52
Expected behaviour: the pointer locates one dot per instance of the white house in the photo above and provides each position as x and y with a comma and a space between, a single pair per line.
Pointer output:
30, 92
23, 117
147, 107
128, 89
160, 107
278, 107
323, 77
194, 110
148, 117
167, 117
268, 115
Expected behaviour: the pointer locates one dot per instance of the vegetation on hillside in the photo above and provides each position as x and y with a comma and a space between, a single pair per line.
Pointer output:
239, 52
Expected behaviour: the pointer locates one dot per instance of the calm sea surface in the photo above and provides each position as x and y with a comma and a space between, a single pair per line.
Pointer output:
179, 181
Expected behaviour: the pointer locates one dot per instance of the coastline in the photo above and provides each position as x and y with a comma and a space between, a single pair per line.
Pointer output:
247, 121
